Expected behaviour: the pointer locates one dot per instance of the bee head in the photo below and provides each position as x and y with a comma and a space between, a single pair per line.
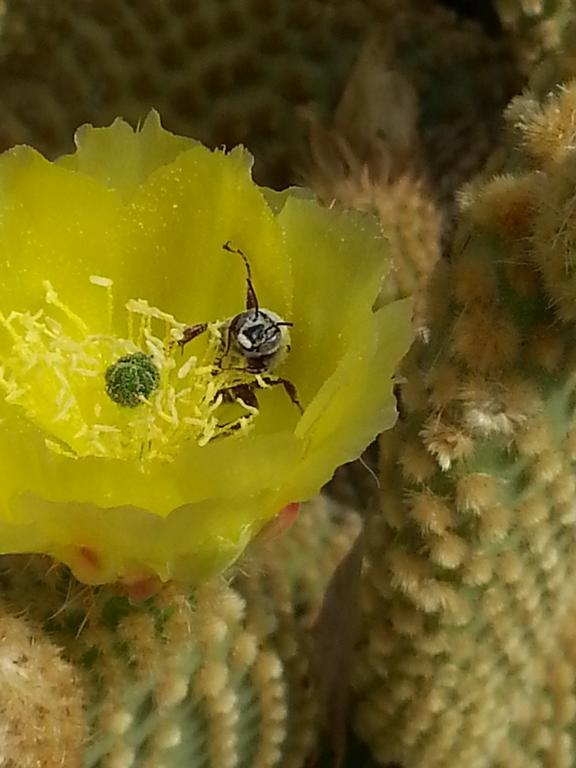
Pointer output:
259, 333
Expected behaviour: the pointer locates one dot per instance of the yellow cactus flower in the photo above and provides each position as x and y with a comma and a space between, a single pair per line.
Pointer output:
142, 432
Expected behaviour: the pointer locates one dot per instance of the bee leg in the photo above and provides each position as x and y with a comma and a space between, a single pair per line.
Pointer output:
289, 388
224, 430
191, 333
244, 392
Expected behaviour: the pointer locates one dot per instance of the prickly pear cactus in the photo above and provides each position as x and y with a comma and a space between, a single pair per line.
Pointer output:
221, 679
469, 597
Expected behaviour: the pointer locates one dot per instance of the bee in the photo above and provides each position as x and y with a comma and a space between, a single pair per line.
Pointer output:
255, 341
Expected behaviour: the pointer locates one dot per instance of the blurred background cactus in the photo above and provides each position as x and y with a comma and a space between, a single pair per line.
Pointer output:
458, 632
468, 598
536, 27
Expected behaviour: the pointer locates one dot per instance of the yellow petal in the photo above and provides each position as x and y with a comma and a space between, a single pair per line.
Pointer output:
116, 249
122, 159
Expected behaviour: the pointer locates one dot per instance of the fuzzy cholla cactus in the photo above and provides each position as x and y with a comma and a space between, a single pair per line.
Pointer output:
223, 678
536, 26
469, 599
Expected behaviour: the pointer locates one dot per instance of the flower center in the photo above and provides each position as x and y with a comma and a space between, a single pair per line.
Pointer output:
135, 396
132, 379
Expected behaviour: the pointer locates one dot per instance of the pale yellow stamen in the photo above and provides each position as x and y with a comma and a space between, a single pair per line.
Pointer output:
52, 298
105, 282
55, 373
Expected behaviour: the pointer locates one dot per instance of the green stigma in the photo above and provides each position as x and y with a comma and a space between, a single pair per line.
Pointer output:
131, 379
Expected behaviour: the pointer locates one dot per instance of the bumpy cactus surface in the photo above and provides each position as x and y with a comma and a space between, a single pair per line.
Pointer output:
222, 679
230, 73
469, 605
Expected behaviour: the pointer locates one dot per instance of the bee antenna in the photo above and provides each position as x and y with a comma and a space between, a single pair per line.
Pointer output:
252, 299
